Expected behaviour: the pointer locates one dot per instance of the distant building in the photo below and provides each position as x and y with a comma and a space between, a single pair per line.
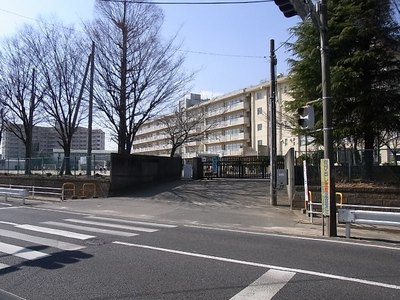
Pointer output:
45, 140
241, 125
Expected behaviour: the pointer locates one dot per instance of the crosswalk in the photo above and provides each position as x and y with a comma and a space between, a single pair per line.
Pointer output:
66, 235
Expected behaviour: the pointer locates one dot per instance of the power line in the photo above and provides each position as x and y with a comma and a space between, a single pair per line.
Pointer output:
18, 15
38, 20
285, 42
191, 3
223, 54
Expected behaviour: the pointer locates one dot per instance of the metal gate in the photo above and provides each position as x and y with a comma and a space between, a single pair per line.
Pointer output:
238, 166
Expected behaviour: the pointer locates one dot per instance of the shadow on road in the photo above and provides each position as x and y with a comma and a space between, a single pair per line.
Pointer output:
239, 193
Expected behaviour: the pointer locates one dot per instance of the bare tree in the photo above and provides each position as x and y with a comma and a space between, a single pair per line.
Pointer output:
392, 141
185, 126
20, 94
64, 67
3, 112
138, 74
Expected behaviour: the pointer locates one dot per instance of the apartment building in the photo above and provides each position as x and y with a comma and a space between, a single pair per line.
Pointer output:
235, 124
45, 140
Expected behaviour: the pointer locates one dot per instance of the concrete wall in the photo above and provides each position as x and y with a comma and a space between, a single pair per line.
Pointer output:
129, 172
101, 184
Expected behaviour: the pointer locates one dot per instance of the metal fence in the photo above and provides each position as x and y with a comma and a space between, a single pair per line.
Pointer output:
239, 166
47, 166
351, 165
350, 156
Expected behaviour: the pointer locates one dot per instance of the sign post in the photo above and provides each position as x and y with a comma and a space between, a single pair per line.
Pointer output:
306, 197
325, 188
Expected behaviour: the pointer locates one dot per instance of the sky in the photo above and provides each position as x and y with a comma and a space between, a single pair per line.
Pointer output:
228, 46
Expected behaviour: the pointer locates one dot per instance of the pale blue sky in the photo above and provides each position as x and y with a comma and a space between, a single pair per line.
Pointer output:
242, 30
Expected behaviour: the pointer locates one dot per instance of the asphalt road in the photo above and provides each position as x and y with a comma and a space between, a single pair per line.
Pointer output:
55, 254
164, 249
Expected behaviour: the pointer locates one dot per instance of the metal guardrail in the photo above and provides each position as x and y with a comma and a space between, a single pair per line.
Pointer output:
383, 218
13, 192
35, 191
357, 214
310, 205
68, 188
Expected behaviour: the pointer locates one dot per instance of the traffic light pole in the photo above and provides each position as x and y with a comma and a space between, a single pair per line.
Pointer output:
273, 196
327, 113
305, 9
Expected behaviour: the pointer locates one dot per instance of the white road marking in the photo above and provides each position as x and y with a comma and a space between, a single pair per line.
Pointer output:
265, 287
90, 229
3, 266
69, 234
111, 225
248, 263
7, 295
8, 223
294, 237
132, 222
61, 210
39, 240
21, 252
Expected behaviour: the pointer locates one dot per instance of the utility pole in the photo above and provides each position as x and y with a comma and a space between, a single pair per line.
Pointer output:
273, 199
90, 120
327, 112
305, 9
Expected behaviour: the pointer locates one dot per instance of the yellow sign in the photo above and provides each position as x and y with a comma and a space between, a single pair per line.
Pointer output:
325, 187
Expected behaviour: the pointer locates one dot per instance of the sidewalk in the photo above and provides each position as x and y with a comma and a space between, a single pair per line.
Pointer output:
239, 204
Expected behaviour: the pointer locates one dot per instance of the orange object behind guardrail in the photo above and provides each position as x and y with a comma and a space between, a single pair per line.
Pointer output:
68, 187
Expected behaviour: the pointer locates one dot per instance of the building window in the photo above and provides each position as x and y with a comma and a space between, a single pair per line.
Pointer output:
259, 142
259, 95
259, 110
259, 127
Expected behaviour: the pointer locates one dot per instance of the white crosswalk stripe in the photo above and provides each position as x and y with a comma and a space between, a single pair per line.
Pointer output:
40, 240
4, 266
90, 229
70, 234
21, 252
132, 222
143, 229
35, 235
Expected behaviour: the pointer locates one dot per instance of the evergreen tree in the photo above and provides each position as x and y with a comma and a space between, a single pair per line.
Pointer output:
365, 71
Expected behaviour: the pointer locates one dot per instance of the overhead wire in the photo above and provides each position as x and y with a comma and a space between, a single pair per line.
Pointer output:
181, 3
191, 3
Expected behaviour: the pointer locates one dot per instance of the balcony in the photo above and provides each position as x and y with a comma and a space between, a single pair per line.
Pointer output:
230, 123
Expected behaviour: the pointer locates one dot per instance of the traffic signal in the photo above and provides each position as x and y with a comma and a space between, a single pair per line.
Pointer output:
306, 117
291, 8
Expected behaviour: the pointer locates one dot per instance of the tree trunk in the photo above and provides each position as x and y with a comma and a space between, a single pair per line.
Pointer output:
68, 161
122, 138
368, 156
28, 153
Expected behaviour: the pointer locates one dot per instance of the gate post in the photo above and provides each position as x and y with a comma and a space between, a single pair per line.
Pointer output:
197, 168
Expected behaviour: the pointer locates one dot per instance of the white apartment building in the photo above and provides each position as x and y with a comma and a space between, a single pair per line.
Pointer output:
45, 140
238, 124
